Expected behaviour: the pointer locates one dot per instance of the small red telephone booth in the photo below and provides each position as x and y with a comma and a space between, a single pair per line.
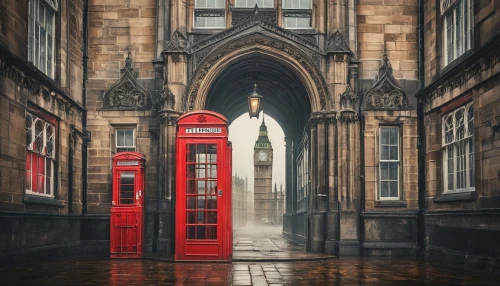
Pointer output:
127, 211
203, 190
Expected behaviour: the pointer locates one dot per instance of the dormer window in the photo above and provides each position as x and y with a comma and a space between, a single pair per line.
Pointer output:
210, 14
297, 14
252, 3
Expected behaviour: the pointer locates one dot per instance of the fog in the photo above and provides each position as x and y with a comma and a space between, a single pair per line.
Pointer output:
243, 132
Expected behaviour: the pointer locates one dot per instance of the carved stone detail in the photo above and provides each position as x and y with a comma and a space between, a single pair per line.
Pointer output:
126, 93
486, 61
167, 98
301, 57
177, 44
36, 88
348, 99
337, 44
242, 15
386, 93
256, 20
54, 4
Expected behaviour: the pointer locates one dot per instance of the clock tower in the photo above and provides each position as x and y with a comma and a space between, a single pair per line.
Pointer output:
263, 175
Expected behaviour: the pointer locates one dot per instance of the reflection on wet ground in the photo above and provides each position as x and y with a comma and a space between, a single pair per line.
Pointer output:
337, 271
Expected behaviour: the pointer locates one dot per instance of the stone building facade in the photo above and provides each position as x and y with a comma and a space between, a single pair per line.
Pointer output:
460, 107
371, 169
42, 107
241, 207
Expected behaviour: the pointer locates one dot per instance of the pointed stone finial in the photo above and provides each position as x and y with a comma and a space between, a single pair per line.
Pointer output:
386, 66
128, 61
256, 11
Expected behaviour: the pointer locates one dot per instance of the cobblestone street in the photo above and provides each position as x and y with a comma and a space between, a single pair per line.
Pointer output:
266, 259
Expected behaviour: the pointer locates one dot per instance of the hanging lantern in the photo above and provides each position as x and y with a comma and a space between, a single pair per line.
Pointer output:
254, 103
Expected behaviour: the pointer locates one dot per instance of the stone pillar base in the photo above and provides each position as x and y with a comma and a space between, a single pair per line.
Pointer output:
349, 248
332, 246
317, 232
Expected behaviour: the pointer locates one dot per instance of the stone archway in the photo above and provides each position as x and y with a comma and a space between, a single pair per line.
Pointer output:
288, 55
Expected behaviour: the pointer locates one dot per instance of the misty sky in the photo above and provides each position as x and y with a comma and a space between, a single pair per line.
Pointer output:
243, 132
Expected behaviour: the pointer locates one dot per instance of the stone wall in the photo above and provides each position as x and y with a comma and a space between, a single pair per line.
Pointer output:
33, 225
389, 25
464, 225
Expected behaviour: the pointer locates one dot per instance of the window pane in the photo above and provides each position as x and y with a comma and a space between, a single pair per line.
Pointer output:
384, 136
458, 30
393, 154
470, 119
393, 171
129, 137
120, 137
240, 3
384, 171
384, 189
393, 192
384, 152
201, 3
472, 176
393, 139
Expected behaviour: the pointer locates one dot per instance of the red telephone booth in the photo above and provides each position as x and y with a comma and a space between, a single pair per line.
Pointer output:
127, 211
203, 190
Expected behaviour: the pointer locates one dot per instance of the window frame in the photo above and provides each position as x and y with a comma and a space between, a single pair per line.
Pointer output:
134, 139
223, 10
286, 11
468, 170
389, 161
464, 39
47, 121
34, 45
254, 2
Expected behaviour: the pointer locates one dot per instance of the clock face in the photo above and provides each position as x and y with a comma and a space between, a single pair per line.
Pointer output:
262, 156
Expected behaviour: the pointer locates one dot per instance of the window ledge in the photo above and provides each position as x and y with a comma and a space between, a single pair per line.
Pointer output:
36, 200
452, 197
390, 203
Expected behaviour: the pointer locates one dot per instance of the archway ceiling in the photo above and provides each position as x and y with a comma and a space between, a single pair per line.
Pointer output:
284, 96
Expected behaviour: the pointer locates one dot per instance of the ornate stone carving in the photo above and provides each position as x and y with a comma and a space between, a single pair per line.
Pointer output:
242, 15
295, 53
386, 93
337, 44
35, 87
484, 60
256, 20
177, 44
348, 99
167, 98
126, 93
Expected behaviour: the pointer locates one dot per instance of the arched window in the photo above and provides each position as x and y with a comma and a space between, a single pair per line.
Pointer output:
210, 14
41, 35
458, 149
297, 14
40, 156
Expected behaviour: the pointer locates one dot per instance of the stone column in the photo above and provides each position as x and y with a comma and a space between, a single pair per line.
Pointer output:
289, 190
332, 214
349, 199
178, 15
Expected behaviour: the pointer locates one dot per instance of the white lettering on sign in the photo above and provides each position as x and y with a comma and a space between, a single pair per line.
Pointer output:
127, 163
205, 130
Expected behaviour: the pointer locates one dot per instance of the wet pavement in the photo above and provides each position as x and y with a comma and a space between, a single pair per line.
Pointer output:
262, 257
266, 243
338, 271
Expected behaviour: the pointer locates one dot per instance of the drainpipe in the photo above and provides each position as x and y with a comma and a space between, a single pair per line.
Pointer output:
84, 103
421, 134
361, 229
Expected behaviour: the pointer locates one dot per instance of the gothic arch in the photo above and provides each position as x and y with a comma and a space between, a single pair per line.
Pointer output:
222, 57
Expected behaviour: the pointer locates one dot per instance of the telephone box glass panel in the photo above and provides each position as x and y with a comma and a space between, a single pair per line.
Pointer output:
126, 187
201, 198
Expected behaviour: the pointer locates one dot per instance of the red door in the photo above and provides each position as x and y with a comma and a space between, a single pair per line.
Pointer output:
200, 202
126, 223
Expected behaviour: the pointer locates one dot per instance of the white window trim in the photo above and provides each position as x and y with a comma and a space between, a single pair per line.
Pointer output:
209, 28
310, 8
29, 147
444, 153
134, 137
253, 5
398, 161
467, 43
52, 5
